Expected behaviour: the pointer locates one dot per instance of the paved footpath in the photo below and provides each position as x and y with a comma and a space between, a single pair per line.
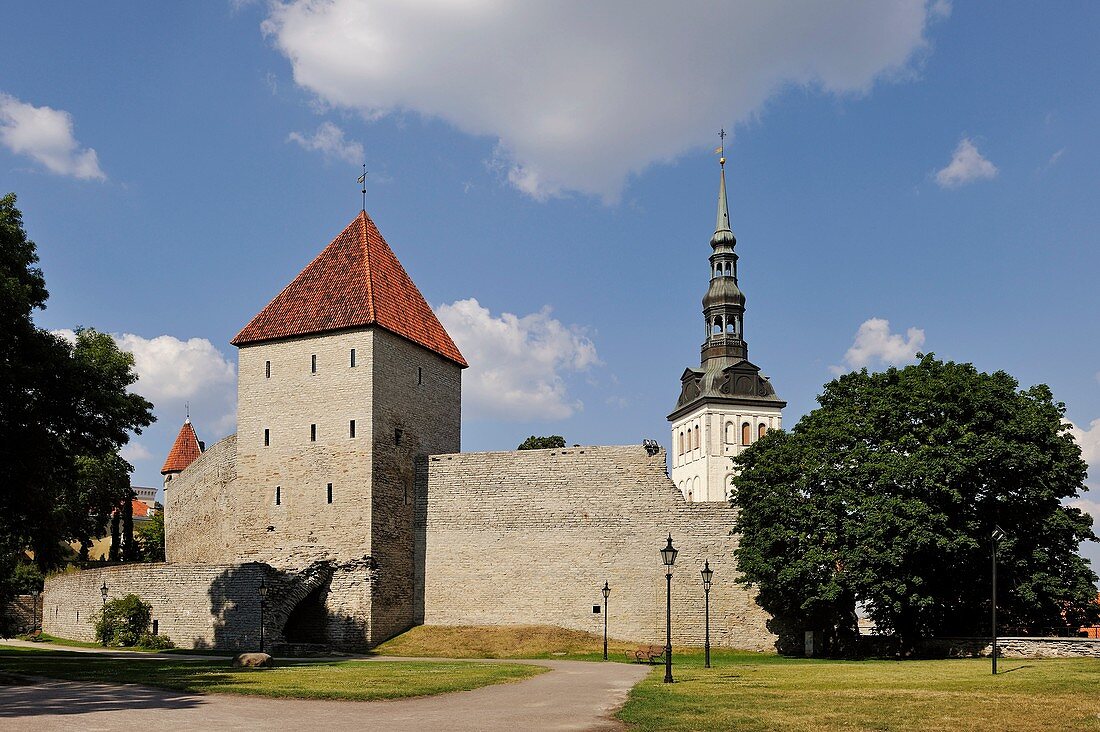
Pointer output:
574, 695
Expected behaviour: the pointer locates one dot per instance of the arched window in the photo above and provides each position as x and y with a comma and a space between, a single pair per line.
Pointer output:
681, 442
717, 325
746, 433
696, 437
690, 496
731, 433
761, 431
731, 325
727, 269
718, 270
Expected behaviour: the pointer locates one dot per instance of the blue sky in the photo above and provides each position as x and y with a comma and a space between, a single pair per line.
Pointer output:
933, 166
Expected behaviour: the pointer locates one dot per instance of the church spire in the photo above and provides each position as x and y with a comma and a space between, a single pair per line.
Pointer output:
724, 303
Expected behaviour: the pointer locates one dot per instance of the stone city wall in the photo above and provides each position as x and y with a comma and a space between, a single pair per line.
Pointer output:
530, 537
18, 614
1014, 647
197, 606
199, 517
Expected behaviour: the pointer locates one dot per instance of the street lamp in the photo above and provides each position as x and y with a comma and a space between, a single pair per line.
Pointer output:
998, 535
103, 594
606, 591
668, 556
34, 609
263, 604
708, 574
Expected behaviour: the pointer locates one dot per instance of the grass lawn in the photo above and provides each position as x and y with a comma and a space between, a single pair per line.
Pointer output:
360, 680
763, 692
517, 641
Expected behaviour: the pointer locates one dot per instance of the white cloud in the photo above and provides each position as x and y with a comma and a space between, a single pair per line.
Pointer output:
966, 166
1089, 440
577, 95
134, 451
329, 140
46, 135
875, 344
517, 364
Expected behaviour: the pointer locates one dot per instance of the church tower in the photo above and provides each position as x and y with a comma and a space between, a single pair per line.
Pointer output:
726, 404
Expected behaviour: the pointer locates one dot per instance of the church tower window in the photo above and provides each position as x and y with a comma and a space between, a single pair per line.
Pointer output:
746, 433
763, 429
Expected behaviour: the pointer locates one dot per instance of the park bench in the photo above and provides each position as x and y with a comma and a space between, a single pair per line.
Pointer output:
647, 654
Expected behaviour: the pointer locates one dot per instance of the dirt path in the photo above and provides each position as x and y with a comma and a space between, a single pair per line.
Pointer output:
574, 695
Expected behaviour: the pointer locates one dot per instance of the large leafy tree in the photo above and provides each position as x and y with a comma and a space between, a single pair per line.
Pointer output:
888, 494
541, 443
65, 410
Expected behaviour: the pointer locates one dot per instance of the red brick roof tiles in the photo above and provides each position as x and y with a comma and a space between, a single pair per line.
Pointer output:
355, 282
184, 451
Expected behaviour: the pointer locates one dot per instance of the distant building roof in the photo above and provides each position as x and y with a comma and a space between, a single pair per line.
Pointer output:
141, 509
184, 451
355, 282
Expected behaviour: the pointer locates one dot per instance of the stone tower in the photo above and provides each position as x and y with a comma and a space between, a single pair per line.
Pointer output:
346, 380
185, 450
726, 403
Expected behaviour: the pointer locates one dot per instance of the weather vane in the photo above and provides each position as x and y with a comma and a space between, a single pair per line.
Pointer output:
187, 409
363, 182
721, 149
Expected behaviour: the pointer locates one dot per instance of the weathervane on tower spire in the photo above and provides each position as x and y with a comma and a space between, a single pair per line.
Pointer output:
721, 149
363, 182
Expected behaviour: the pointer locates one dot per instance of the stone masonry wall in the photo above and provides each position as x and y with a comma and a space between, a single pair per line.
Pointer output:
418, 393
199, 520
197, 606
1014, 647
302, 526
529, 537
21, 614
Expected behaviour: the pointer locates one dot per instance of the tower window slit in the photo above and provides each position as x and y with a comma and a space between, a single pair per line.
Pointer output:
398, 434
419, 375
267, 369
330, 492
267, 438
313, 433
353, 358
278, 496
351, 428
313, 363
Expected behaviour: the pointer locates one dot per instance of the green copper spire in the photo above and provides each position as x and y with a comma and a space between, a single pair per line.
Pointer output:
723, 235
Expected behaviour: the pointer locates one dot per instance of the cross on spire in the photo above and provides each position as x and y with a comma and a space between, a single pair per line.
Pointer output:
363, 181
722, 147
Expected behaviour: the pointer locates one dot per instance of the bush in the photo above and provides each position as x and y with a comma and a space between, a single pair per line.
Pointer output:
123, 621
155, 642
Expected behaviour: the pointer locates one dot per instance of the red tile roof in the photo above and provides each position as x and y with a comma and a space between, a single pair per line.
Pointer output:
184, 451
355, 282
140, 509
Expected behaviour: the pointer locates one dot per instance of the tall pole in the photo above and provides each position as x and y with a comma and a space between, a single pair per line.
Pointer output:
605, 627
706, 637
994, 606
263, 603
668, 628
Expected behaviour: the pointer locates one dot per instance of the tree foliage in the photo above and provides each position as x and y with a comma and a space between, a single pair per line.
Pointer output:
150, 537
542, 443
65, 410
888, 494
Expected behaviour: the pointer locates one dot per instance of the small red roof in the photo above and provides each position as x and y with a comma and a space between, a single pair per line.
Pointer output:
184, 451
140, 509
355, 282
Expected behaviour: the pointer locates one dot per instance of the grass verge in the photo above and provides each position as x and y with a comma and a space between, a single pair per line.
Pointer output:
352, 680
517, 641
761, 692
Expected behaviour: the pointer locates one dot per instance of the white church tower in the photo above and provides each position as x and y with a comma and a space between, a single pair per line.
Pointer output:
726, 404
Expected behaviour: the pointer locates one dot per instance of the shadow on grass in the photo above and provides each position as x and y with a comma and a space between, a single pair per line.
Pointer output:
1010, 670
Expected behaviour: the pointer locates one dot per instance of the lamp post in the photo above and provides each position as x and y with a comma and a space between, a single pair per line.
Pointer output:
668, 556
998, 535
103, 595
34, 609
606, 591
708, 574
263, 605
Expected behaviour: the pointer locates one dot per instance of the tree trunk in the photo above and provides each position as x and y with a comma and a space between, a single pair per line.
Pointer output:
113, 553
129, 547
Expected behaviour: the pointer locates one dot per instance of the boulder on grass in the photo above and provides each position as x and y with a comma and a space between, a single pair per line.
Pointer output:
253, 660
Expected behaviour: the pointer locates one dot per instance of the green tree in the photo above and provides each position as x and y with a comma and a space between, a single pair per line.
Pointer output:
541, 443
150, 537
65, 410
888, 494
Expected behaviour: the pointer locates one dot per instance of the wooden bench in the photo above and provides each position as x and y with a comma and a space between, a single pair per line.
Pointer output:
647, 654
